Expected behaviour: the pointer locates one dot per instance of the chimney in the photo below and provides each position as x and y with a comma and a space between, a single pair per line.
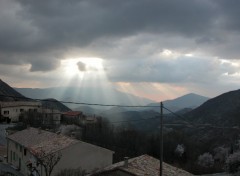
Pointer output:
126, 162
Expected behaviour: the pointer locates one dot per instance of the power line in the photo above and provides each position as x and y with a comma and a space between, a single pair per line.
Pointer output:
188, 123
139, 120
80, 103
177, 115
199, 125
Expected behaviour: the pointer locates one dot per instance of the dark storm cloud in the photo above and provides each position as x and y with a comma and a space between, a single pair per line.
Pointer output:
42, 24
230, 14
87, 20
170, 70
32, 31
43, 64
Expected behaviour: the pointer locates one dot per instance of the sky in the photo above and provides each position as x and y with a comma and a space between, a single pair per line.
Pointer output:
157, 49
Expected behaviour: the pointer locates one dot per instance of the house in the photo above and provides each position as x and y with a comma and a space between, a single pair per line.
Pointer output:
144, 165
30, 146
12, 110
51, 116
76, 117
16, 110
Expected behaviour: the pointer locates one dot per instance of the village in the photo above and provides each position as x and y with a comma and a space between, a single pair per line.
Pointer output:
50, 144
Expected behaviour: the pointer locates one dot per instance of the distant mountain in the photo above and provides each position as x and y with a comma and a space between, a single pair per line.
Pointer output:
223, 110
186, 101
114, 110
215, 123
54, 104
7, 93
86, 95
140, 120
184, 111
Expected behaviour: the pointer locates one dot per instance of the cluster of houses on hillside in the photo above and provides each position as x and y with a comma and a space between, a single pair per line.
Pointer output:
14, 111
38, 152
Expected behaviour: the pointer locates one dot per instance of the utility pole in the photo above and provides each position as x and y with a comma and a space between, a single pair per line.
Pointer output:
0, 112
161, 139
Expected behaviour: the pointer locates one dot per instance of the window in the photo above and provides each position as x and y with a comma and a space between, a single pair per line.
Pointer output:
14, 156
20, 163
21, 110
5, 112
20, 148
25, 152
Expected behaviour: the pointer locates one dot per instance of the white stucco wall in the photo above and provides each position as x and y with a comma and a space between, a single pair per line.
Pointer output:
14, 109
81, 155
18, 150
84, 155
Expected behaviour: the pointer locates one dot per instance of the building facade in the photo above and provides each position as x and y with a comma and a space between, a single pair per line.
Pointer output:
12, 110
77, 117
51, 116
32, 145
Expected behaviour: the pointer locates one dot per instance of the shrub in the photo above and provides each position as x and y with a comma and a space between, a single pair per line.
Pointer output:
206, 160
233, 162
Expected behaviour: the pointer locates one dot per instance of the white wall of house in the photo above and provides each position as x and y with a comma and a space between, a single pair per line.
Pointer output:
18, 156
13, 110
84, 155
80, 155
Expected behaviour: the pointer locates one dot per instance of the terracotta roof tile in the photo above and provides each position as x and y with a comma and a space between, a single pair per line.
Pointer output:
35, 139
146, 165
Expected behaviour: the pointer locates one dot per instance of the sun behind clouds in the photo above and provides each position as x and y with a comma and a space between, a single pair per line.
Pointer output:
80, 66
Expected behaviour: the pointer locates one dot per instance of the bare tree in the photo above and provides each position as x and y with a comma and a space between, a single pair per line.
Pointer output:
47, 160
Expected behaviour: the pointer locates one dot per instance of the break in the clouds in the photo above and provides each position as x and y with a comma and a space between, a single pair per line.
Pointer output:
81, 66
165, 41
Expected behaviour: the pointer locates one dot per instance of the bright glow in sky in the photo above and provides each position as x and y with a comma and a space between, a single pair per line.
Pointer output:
152, 54
81, 66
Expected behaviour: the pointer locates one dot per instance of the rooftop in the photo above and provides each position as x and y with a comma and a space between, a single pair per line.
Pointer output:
19, 103
37, 140
144, 165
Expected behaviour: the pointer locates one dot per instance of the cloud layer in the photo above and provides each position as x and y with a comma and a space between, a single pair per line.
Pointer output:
153, 41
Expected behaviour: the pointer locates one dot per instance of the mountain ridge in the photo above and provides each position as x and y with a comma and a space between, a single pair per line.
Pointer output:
190, 100
51, 103
7, 93
221, 110
86, 95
